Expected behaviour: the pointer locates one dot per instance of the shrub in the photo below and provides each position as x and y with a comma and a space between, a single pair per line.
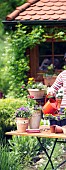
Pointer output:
26, 148
8, 107
8, 160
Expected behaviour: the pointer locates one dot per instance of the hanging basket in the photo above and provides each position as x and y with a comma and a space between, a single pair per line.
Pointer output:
36, 93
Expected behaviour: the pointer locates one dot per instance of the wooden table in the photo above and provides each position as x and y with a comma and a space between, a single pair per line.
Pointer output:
44, 133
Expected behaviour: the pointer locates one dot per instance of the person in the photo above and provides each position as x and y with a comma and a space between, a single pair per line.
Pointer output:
59, 82
47, 62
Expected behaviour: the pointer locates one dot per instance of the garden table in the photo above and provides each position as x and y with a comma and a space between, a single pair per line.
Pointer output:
44, 133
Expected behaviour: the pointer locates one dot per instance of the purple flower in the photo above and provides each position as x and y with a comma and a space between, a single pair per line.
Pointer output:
22, 112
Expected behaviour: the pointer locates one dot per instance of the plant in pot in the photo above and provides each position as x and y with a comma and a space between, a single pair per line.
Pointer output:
57, 121
36, 89
35, 118
35, 110
59, 96
22, 118
50, 75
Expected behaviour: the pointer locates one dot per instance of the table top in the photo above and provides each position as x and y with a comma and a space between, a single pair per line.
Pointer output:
44, 133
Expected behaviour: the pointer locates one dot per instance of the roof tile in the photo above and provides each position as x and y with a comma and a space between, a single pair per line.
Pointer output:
51, 12
46, 8
60, 12
58, 4
39, 4
40, 10
36, 17
55, 17
12, 15
49, 4
55, 8
22, 7
46, 17
63, 8
32, 1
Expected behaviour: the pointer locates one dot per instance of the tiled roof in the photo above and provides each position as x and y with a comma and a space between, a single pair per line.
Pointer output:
39, 10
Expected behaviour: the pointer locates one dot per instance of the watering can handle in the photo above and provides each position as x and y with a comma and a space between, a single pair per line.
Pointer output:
51, 98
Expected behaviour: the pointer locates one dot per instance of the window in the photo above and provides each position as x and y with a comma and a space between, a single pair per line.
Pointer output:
51, 52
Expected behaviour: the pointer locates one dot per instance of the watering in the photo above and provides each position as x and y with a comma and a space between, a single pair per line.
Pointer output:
50, 106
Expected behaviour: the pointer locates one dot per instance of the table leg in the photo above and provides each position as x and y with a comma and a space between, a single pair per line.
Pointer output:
60, 165
49, 157
63, 161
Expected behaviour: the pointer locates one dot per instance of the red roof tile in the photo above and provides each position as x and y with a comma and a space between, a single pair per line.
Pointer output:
40, 10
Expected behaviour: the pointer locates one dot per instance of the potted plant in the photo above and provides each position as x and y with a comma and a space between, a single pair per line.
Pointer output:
50, 75
22, 118
36, 89
35, 118
59, 96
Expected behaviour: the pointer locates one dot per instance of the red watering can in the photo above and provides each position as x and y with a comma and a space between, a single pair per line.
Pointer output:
50, 107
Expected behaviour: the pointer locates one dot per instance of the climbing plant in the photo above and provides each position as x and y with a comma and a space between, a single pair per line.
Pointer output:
16, 45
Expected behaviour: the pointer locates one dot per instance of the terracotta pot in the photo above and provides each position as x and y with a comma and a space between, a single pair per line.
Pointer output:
64, 129
58, 129
38, 94
52, 128
34, 121
22, 124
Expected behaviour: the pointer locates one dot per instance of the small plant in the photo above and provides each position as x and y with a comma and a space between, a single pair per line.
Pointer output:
59, 93
50, 71
65, 112
23, 112
35, 85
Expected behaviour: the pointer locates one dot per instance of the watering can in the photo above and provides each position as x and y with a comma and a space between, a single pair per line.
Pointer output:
50, 107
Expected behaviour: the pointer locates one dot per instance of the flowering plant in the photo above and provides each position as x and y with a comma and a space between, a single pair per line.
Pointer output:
35, 85
59, 93
33, 104
23, 112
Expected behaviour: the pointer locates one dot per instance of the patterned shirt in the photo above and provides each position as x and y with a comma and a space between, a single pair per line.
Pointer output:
59, 82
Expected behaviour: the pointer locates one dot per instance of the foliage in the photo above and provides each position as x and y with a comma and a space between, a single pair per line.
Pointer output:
50, 71
8, 108
25, 147
28, 108
8, 6
8, 160
59, 93
35, 85
17, 61
14, 55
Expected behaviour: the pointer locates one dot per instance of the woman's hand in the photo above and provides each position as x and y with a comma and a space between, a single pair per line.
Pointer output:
50, 91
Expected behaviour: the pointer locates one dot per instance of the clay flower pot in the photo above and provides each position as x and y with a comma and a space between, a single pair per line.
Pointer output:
38, 94
52, 128
34, 121
58, 129
22, 124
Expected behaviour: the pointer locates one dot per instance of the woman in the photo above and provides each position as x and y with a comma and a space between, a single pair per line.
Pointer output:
59, 82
